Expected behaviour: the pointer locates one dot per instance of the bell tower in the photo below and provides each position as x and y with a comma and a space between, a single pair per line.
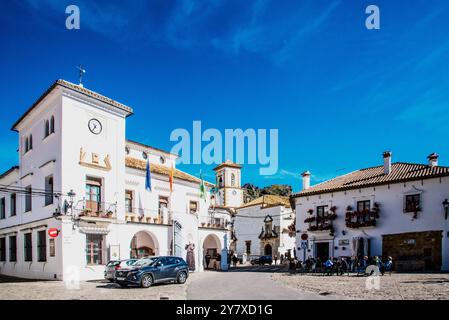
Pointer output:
228, 181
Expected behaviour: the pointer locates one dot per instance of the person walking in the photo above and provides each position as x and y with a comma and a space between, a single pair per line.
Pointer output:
207, 258
275, 258
282, 258
328, 266
218, 262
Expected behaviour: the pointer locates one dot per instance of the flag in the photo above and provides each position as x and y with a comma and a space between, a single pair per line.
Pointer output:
170, 178
202, 188
148, 177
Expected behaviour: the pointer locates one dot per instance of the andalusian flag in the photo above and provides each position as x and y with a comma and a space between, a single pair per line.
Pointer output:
170, 178
202, 187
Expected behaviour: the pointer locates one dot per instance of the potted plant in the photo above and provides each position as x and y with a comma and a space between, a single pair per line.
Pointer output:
155, 220
310, 211
203, 224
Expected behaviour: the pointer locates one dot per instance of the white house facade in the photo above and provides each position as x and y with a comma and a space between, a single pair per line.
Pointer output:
396, 209
78, 197
265, 226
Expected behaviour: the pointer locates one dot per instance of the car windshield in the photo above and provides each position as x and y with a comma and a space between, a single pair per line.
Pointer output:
145, 262
113, 263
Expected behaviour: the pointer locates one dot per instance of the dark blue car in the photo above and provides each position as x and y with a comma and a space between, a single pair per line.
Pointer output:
147, 271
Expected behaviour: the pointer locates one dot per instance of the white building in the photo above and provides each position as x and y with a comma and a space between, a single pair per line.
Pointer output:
265, 226
395, 209
79, 175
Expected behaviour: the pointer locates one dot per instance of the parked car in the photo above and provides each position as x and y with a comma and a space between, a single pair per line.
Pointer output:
113, 266
262, 260
147, 271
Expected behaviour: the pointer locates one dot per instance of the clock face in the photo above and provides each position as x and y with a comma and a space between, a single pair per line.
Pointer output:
234, 192
95, 126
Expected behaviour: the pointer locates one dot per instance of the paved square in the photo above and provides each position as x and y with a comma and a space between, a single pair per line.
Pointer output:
396, 286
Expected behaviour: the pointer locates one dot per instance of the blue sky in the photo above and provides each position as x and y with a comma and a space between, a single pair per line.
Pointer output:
338, 93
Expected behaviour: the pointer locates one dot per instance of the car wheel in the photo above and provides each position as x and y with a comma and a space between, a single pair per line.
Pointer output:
147, 281
182, 278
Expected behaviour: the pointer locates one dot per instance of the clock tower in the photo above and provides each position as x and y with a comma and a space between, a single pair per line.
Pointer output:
228, 181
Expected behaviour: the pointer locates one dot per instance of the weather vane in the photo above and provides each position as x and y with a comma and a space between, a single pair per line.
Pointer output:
82, 72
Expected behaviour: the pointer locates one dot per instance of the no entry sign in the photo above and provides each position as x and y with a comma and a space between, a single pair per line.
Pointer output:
53, 232
304, 236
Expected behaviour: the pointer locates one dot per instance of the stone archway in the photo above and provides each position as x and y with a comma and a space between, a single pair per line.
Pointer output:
144, 244
211, 248
268, 250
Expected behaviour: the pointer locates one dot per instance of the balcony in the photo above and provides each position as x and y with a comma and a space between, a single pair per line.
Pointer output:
213, 224
362, 219
162, 216
97, 210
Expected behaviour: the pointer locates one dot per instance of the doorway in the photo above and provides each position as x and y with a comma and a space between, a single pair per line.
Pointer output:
322, 250
268, 250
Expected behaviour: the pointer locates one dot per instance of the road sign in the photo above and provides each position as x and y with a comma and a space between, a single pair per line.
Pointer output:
304, 244
53, 232
304, 236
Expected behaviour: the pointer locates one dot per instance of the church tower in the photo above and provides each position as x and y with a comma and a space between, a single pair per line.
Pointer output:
228, 181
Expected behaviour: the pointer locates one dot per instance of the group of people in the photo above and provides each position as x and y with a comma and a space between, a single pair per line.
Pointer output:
342, 265
232, 258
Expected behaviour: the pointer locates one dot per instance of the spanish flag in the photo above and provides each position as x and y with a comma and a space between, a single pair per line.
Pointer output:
170, 178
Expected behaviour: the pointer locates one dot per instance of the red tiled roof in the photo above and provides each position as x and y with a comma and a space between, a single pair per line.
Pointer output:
227, 163
400, 172
79, 89
163, 170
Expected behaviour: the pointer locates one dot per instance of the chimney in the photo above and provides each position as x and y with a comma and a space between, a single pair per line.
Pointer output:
387, 162
305, 180
433, 159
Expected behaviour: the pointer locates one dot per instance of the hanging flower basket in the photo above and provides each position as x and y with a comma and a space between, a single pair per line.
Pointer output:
309, 219
310, 211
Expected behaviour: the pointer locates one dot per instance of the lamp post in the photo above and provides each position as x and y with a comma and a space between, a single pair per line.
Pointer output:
446, 208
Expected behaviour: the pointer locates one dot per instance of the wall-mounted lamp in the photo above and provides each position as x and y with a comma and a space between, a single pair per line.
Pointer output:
446, 207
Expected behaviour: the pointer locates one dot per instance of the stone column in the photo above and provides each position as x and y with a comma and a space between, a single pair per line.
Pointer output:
224, 254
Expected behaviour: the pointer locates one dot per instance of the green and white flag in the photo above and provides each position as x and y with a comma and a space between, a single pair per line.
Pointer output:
202, 187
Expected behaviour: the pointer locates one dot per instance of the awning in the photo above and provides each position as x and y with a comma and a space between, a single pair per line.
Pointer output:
93, 228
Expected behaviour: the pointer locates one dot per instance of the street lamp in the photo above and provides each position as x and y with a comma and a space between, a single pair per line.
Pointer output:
446, 207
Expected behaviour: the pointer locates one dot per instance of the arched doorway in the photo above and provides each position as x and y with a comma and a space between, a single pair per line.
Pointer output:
144, 244
268, 250
211, 248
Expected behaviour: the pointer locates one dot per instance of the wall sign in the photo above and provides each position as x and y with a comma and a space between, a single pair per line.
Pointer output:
343, 242
53, 232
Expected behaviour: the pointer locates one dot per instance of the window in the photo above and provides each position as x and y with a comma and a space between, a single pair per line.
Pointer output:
48, 190
94, 249
93, 194
412, 203
12, 248
363, 205
220, 181
321, 211
31, 142
232, 179
2, 208
41, 246
47, 129
27, 145
12, 205
193, 207
128, 201
28, 247
28, 199
52, 124
2, 249
52, 248
248, 247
